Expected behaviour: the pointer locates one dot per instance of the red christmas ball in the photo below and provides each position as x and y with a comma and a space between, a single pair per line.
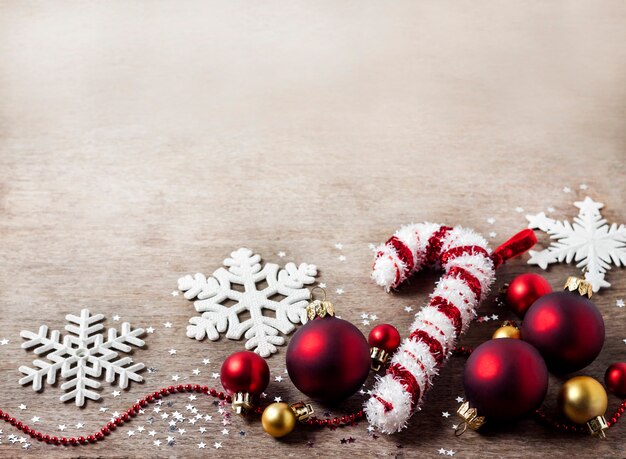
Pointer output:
385, 337
615, 379
328, 359
505, 379
567, 329
524, 290
245, 372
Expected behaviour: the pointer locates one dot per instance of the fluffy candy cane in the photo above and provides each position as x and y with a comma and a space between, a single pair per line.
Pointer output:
469, 271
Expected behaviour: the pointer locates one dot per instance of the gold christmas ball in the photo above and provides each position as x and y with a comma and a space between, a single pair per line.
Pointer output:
507, 331
582, 398
278, 419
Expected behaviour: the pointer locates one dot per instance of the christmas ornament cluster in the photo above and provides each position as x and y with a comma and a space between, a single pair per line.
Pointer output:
328, 359
469, 272
506, 379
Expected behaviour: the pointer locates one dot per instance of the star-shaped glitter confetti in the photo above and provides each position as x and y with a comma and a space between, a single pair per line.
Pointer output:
172, 351
4, 342
619, 303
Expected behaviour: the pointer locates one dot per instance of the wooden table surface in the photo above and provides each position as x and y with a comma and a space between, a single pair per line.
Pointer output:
141, 141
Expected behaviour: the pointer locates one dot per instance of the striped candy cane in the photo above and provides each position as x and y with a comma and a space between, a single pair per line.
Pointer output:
468, 274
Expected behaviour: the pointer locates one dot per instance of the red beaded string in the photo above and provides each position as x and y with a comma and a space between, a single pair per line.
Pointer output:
547, 419
339, 421
134, 410
120, 420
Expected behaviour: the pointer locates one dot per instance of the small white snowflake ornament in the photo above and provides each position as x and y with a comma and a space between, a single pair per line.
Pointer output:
589, 241
248, 286
82, 356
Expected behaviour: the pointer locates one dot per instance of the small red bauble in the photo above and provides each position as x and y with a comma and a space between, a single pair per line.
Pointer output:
524, 290
615, 379
567, 329
505, 379
328, 359
245, 372
385, 337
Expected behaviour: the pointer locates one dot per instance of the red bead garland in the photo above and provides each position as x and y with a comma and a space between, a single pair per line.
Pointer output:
339, 421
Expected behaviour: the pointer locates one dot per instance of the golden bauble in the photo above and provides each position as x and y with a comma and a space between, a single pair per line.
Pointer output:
278, 419
582, 398
507, 331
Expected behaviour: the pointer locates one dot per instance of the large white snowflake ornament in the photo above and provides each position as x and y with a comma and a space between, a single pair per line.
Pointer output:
248, 287
82, 356
589, 241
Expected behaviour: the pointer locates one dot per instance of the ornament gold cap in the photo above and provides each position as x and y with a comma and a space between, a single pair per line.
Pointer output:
242, 402
574, 283
597, 426
470, 419
508, 329
302, 410
379, 357
319, 308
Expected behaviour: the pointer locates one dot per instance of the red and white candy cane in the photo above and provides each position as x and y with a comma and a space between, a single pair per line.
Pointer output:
469, 272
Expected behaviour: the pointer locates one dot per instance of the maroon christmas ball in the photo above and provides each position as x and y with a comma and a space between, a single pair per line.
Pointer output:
615, 379
524, 290
566, 328
505, 379
245, 372
385, 337
328, 359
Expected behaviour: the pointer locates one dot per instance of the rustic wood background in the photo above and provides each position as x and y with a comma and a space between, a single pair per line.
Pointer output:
140, 141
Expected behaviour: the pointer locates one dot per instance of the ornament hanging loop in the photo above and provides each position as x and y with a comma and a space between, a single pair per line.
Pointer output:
460, 430
312, 296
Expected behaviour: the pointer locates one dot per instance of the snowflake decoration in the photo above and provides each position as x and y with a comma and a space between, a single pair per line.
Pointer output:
589, 241
82, 356
231, 292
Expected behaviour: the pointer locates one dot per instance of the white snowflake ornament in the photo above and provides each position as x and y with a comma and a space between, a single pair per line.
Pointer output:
248, 286
589, 241
82, 356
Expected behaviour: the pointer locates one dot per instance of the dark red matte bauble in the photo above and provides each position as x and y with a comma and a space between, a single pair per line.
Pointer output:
566, 328
615, 379
245, 372
328, 359
524, 290
385, 337
505, 379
